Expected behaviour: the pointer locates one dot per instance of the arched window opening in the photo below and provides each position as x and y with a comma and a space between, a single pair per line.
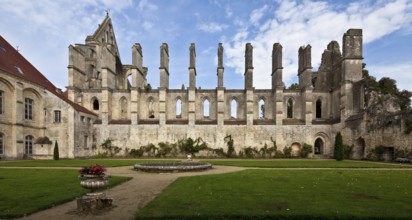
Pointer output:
261, 109
178, 108
318, 108
151, 108
233, 109
1, 143
129, 81
95, 104
28, 145
290, 108
123, 108
206, 108
319, 146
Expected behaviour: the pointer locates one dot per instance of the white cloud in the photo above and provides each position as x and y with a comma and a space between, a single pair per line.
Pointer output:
212, 27
147, 25
296, 23
257, 14
145, 5
229, 12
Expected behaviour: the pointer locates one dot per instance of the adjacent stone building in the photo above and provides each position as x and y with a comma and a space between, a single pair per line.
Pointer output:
107, 99
34, 114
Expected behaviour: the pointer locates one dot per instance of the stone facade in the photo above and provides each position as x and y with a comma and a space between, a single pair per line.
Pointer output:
107, 99
35, 114
133, 115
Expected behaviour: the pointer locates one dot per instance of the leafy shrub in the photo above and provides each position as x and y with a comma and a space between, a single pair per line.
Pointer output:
190, 146
56, 151
150, 149
136, 152
165, 149
347, 151
219, 152
287, 152
230, 148
338, 150
379, 150
109, 148
306, 150
250, 152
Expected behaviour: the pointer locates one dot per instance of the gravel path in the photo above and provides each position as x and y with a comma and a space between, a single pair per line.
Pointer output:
128, 197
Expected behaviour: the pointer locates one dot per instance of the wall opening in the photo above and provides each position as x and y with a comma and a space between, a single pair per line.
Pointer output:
233, 109
1, 143
151, 108
319, 145
262, 112
289, 110
96, 104
318, 108
206, 108
178, 108
123, 108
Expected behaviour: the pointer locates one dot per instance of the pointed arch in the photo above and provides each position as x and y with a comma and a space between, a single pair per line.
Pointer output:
261, 105
319, 146
206, 108
95, 104
123, 107
178, 107
289, 108
233, 108
150, 104
318, 110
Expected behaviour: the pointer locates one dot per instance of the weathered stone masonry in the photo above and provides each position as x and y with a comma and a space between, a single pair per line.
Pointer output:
134, 116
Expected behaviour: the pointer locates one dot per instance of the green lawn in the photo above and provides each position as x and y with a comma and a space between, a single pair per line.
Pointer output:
76, 162
296, 194
27, 191
272, 163
304, 163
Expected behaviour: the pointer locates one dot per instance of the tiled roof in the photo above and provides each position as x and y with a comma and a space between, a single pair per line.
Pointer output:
12, 62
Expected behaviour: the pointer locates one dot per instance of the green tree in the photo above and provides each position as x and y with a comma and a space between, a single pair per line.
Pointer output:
294, 86
338, 151
56, 151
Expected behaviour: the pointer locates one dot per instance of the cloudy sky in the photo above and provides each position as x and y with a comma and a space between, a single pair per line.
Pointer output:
43, 30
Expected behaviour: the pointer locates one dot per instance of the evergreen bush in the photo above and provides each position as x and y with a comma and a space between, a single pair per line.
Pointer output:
56, 151
338, 150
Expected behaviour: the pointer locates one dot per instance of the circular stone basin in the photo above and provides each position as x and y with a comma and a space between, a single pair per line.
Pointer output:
158, 167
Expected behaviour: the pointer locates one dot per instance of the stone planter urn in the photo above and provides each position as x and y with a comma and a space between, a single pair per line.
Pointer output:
93, 182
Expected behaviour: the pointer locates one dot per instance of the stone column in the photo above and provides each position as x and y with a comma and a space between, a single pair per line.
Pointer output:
277, 67
164, 66
305, 67
352, 70
164, 82
308, 107
220, 68
249, 66
192, 86
278, 111
249, 83
106, 95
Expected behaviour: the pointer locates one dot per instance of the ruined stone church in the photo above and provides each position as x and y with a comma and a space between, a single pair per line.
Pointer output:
106, 99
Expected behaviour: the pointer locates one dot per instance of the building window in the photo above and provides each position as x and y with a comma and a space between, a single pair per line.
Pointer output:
289, 106
95, 104
57, 116
206, 108
1, 143
178, 108
319, 109
28, 145
233, 109
82, 118
28, 110
1, 102
261, 109
85, 141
